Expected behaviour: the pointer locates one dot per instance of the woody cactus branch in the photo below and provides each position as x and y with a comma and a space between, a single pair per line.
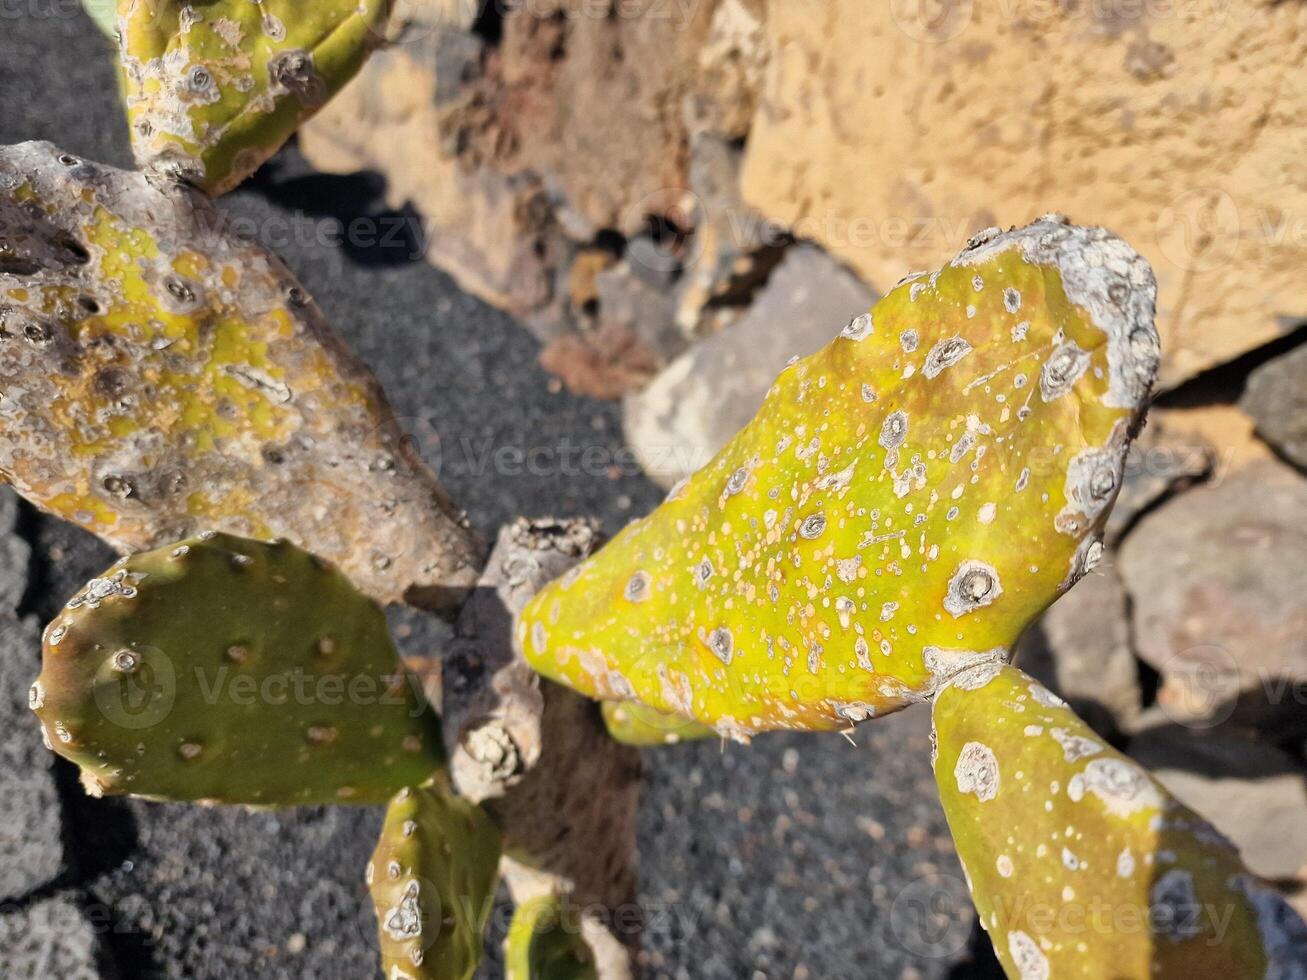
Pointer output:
537, 756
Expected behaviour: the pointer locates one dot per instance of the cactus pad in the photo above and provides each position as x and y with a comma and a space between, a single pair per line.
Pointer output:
433, 878
163, 377
904, 503
1081, 864
633, 723
214, 89
543, 944
232, 671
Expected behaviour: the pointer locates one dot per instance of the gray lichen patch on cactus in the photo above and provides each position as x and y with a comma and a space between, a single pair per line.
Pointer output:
963, 497
432, 879
162, 377
232, 671
214, 89
1080, 864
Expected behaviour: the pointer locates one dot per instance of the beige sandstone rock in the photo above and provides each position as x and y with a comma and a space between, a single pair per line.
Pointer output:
570, 124
888, 131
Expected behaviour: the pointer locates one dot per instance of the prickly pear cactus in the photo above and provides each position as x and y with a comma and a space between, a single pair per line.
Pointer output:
543, 945
214, 89
905, 502
1082, 865
232, 671
163, 377
433, 879
633, 723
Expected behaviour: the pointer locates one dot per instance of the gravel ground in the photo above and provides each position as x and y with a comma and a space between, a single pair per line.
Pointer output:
795, 858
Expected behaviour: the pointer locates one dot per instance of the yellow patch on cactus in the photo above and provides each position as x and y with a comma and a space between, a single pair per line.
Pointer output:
904, 503
214, 89
163, 377
1080, 863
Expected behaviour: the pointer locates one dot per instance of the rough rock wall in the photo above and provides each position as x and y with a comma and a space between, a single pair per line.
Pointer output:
692, 142
885, 131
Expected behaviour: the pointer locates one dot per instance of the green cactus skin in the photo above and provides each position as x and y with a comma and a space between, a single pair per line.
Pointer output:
1080, 863
214, 89
433, 878
163, 377
633, 723
543, 945
905, 502
232, 671
104, 14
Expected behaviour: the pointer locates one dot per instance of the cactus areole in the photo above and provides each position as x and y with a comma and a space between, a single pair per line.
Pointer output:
906, 501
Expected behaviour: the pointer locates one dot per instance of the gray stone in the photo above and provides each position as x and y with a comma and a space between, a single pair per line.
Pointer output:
1254, 793
1218, 579
1081, 650
707, 394
628, 300
1276, 396
50, 938
31, 832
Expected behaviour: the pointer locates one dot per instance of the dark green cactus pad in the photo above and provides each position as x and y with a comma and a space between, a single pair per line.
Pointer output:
228, 670
433, 878
1083, 865
544, 943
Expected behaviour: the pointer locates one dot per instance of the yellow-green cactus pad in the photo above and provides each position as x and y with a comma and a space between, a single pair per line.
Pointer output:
545, 943
1080, 863
905, 502
232, 671
433, 878
214, 89
633, 723
163, 377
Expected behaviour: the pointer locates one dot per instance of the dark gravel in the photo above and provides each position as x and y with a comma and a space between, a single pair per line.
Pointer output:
800, 857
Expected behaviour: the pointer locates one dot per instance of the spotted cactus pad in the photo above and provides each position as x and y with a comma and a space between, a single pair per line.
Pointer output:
232, 671
433, 878
214, 89
163, 377
545, 943
1081, 864
904, 503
